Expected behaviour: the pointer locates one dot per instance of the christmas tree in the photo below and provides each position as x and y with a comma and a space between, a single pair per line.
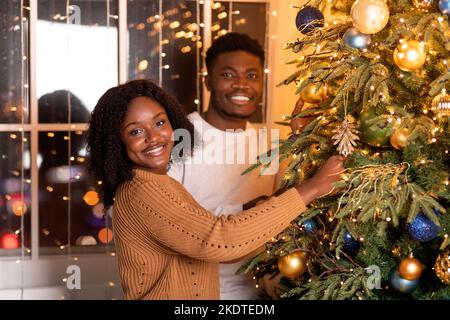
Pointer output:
375, 75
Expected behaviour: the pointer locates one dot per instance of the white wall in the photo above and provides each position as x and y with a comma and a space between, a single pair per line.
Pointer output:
281, 100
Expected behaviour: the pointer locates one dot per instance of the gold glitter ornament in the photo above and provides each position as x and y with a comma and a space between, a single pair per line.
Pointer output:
441, 103
442, 267
422, 4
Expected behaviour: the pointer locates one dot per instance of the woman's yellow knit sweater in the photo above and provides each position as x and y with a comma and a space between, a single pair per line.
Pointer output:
169, 247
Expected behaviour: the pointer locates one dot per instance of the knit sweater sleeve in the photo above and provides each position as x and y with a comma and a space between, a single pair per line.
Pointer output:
187, 228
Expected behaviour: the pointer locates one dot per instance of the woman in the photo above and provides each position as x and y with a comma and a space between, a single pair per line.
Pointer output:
168, 247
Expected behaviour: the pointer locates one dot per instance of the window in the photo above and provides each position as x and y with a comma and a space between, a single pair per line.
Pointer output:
76, 62
75, 59
15, 191
165, 46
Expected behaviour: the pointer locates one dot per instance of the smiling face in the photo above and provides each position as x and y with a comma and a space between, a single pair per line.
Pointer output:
236, 84
147, 135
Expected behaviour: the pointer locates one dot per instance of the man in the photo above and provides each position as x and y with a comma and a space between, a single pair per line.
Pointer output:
235, 79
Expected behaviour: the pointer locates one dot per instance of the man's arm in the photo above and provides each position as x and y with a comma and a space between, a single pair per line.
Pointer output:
254, 202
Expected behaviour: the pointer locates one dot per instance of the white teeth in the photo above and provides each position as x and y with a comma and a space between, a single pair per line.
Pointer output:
155, 150
240, 98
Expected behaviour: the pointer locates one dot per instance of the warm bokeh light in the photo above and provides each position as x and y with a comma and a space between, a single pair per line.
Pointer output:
105, 235
186, 49
86, 241
142, 65
9, 241
91, 198
19, 208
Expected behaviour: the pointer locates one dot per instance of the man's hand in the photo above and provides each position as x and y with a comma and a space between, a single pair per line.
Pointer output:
322, 181
298, 124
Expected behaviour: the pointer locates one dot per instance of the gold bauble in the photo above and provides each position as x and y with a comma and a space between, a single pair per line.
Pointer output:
442, 267
399, 139
370, 16
410, 55
292, 265
315, 93
410, 268
441, 103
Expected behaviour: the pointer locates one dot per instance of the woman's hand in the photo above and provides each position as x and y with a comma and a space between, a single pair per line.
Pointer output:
321, 183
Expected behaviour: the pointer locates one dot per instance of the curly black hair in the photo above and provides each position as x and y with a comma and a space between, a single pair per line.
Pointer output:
233, 41
109, 162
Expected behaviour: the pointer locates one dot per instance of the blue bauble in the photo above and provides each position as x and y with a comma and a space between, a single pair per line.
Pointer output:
305, 18
422, 229
355, 39
401, 284
350, 244
444, 6
294, 137
309, 225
